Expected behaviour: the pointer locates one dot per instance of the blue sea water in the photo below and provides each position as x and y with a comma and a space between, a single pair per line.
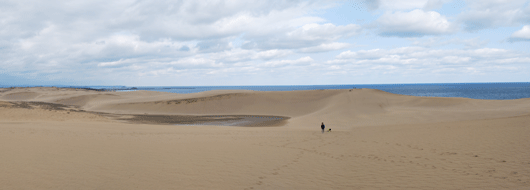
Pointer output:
490, 91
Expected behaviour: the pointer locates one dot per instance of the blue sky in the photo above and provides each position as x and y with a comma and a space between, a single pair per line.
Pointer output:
190, 43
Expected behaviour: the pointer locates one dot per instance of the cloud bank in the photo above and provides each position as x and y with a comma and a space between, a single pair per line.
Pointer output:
239, 42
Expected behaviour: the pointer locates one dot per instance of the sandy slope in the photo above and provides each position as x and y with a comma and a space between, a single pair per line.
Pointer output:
379, 141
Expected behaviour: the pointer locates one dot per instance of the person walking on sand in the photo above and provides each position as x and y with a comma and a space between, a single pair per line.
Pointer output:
323, 127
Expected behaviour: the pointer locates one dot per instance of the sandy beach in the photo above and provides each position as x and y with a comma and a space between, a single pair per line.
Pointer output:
59, 138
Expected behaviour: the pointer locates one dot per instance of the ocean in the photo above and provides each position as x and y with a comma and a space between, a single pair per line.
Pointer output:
489, 91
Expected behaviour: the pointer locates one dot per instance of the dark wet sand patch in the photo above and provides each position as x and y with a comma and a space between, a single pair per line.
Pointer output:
220, 120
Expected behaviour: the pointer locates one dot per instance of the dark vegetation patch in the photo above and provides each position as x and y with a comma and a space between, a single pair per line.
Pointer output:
2, 90
5, 104
21, 105
43, 105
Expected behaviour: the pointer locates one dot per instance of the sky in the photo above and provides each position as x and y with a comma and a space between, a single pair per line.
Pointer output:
269, 42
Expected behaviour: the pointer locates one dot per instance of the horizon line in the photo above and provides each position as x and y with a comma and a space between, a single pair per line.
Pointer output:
67, 86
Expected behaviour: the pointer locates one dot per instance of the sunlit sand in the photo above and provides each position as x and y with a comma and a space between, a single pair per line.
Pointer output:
53, 138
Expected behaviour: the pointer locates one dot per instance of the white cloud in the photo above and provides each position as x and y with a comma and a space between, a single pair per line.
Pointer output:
305, 36
270, 54
147, 42
282, 63
438, 41
196, 61
431, 59
114, 63
496, 4
405, 4
94, 37
184, 20
435, 4
523, 34
243, 55
348, 54
494, 13
320, 32
151, 21
425, 64
216, 45
325, 47
414, 23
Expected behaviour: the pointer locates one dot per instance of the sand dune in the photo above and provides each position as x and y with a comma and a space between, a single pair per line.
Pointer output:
52, 138
264, 103
87, 101
20, 96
